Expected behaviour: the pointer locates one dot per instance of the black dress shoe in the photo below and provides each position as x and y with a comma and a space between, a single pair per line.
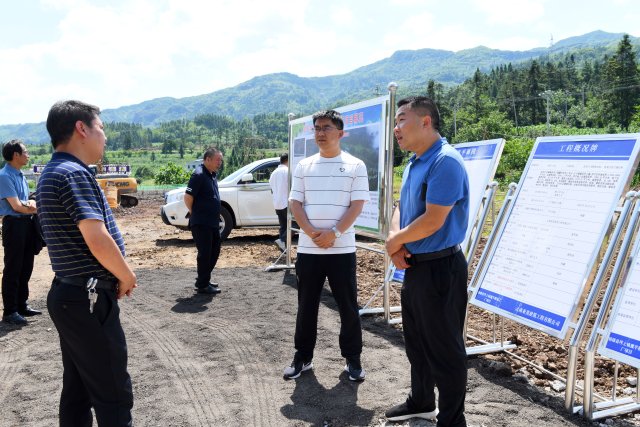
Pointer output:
14, 319
29, 311
209, 290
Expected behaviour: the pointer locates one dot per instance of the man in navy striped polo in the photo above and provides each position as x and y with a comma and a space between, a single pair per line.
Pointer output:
91, 273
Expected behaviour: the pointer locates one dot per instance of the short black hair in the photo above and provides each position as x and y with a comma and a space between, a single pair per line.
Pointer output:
284, 158
63, 117
11, 147
332, 115
210, 152
423, 106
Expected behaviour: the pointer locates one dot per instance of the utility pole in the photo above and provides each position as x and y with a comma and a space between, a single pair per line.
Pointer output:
455, 123
547, 94
515, 111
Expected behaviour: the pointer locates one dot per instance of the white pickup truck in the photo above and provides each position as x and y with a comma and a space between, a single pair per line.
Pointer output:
245, 196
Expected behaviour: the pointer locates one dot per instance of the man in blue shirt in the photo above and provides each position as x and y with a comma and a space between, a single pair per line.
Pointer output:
426, 231
87, 253
18, 234
202, 198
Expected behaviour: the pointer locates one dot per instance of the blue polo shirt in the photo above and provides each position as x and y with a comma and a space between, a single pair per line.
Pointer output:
12, 184
203, 186
437, 177
68, 193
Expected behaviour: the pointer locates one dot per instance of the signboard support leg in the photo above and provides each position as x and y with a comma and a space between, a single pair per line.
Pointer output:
495, 346
614, 405
587, 310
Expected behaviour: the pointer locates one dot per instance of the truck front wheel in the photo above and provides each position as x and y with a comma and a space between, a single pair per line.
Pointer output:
226, 223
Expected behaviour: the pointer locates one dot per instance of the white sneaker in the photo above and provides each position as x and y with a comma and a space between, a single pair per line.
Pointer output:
280, 244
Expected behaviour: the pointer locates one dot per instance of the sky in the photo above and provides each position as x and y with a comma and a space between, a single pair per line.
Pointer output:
122, 52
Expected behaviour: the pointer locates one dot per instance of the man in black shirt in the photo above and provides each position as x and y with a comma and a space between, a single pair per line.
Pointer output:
202, 198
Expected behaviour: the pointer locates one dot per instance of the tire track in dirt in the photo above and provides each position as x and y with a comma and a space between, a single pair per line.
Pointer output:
258, 397
189, 376
13, 351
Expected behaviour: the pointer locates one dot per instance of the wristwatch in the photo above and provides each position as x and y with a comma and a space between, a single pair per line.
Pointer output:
336, 232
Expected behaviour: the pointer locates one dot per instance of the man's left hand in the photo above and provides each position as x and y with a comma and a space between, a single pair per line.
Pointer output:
325, 239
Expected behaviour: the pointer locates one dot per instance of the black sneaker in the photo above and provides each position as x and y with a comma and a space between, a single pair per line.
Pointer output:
296, 368
14, 319
402, 412
210, 290
356, 373
214, 284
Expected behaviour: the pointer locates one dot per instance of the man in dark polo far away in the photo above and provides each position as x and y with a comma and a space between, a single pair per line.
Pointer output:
18, 234
87, 256
202, 198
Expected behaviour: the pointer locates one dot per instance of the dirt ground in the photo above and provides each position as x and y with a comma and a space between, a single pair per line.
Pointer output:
199, 360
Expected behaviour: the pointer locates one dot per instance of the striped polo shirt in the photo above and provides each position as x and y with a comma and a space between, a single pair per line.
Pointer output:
326, 186
68, 193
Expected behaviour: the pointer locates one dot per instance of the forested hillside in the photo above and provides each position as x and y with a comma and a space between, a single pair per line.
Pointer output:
585, 90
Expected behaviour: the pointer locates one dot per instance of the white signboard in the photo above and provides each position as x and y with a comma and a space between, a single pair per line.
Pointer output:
480, 160
542, 259
622, 338
365, 138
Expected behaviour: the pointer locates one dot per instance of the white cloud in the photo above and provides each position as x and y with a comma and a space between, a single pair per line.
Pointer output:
510, 12
126, 51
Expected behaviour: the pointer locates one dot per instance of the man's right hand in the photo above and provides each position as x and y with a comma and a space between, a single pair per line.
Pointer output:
125, 287
399, 258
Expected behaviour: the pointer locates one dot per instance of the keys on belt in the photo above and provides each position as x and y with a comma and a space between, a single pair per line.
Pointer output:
91, 290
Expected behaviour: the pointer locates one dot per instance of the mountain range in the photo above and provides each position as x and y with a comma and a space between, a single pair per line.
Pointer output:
285, 92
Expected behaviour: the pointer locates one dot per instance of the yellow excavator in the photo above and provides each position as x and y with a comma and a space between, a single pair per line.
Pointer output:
118, 176
111, 177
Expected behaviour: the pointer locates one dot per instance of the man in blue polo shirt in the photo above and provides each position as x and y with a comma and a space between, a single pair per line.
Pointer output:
202, 198
426, 231
87, 256
18, 234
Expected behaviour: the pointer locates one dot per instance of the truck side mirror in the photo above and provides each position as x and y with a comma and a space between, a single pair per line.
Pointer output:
247, 178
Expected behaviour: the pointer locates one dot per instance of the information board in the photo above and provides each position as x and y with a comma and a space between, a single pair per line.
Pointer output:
365, 136
621, 339
539, 265
480, 160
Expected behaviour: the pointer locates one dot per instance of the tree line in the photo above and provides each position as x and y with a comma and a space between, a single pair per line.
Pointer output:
241, 141
507, 100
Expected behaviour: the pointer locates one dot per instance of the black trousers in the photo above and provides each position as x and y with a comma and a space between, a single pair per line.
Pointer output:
208, 244
94, 358
18, 240
434, 300
311, 271
282, 222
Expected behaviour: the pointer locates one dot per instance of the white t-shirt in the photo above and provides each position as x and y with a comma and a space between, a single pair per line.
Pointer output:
279, 183
326, 187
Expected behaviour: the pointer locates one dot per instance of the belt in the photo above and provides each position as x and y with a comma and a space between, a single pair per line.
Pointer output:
110, 285
7, 217
429, 256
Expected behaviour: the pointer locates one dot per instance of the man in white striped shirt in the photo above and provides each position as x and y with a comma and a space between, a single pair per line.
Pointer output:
328, 191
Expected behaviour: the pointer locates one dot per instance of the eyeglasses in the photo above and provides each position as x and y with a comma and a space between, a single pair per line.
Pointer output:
324, 129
